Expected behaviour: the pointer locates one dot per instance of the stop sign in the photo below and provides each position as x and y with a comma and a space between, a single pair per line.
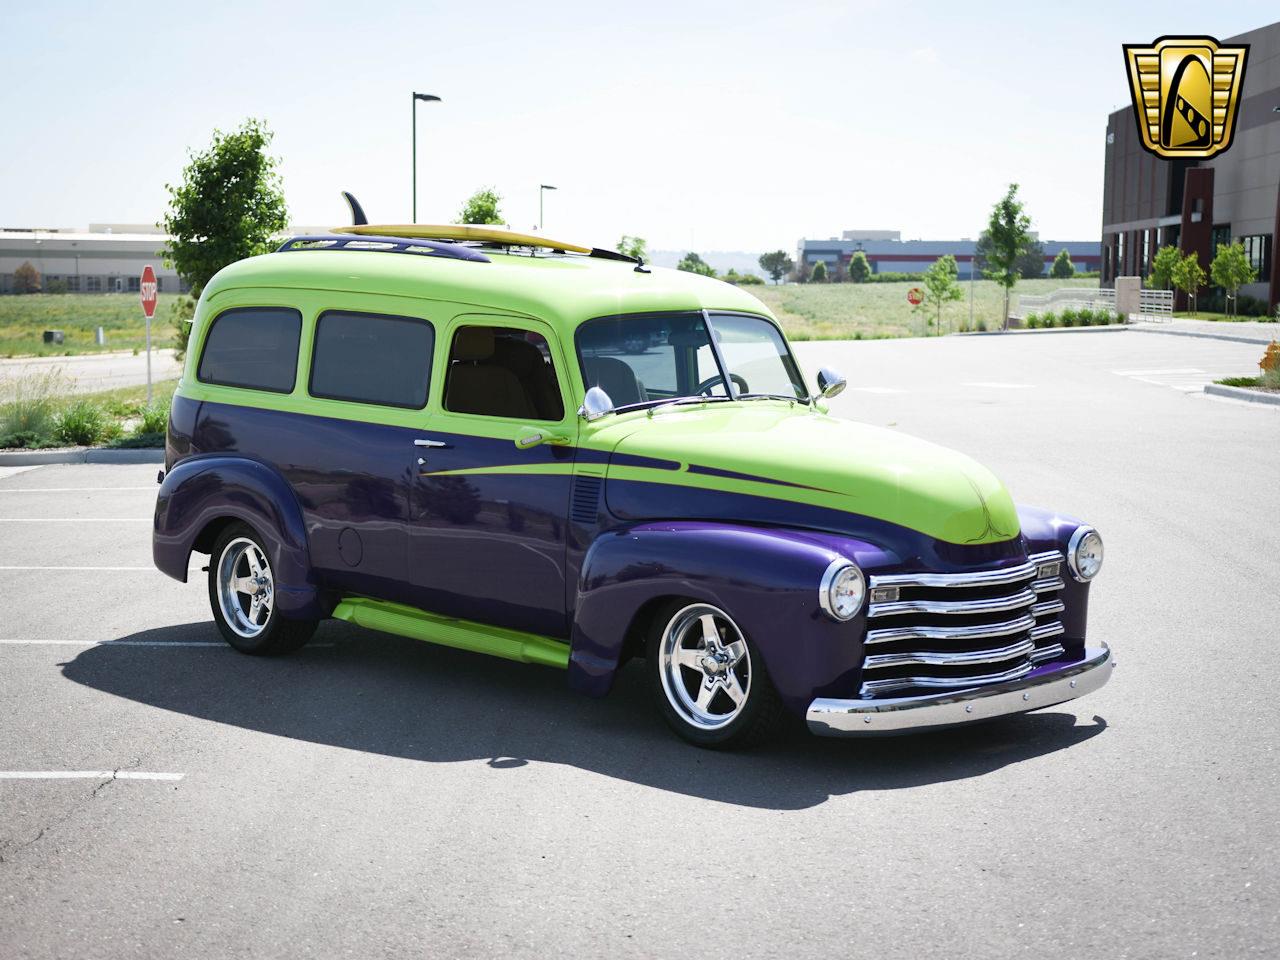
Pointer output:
148, 287
915, 296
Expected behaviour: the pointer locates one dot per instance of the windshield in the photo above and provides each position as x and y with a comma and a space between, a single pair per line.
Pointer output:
657, 357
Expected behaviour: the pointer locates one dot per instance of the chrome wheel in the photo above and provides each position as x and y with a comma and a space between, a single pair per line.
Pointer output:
705, 666
245, 588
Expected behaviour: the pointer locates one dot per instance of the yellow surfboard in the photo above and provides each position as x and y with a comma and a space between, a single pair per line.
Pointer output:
460, 231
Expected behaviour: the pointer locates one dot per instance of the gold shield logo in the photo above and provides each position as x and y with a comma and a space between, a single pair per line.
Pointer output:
1186, 93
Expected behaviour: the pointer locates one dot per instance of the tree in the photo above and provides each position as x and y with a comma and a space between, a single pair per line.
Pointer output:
1162, 267
941, 287
26, 278
481, 207
1231, 269
1008, 233
692, 263
776, 264
819, 274
1189, 277
859, 267
1063, 268
630, 246
1031, 260
229, 206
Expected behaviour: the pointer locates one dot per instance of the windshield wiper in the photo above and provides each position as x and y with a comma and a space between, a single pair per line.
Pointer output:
686, 401
772, 396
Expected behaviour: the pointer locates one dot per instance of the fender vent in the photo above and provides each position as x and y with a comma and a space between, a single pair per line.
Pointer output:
586, 499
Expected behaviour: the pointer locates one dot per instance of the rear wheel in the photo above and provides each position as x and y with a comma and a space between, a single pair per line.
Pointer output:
242, 596
708, 678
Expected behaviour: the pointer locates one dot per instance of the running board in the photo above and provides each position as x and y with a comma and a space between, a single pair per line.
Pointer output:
417, 624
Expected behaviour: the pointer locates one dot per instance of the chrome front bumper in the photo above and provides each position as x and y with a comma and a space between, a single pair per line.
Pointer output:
854, 718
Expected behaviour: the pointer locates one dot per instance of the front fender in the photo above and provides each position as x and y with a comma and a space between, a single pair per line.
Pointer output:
1045, 530
766, 579
200, 491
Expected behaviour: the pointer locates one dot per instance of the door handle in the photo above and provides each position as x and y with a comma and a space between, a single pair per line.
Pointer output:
429, 443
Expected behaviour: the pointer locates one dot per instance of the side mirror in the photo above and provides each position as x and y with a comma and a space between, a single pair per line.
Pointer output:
595, 404
830, 383
534, 436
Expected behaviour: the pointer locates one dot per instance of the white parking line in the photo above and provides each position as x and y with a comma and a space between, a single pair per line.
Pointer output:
71, 489
87, 775
1185, 379
135, 643
75, 519
85, 569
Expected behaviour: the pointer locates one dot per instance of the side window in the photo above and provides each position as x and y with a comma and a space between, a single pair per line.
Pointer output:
502, 372
370, 358
253, 347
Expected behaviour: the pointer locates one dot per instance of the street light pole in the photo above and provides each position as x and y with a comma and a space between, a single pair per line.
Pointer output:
428, 98
542, 189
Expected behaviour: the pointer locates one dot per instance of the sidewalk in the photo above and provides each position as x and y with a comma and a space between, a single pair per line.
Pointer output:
1245, 331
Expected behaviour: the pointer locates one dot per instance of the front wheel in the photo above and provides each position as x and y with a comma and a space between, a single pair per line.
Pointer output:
708, 678
242, 596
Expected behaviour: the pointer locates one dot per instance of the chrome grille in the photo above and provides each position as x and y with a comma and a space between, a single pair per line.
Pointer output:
932, 631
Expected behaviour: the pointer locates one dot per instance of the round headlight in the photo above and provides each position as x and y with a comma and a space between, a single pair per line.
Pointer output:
1084, 554
842, 590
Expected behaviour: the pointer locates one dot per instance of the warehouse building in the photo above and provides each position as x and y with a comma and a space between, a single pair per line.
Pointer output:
106, 258
1149, 202
887, 252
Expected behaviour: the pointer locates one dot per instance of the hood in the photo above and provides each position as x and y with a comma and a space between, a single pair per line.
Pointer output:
785, 452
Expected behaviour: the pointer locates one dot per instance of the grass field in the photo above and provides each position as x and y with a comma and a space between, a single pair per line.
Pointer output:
851, 311
24, 318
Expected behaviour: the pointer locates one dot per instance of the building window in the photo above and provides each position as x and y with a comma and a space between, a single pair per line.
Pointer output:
253, 347
135, 284
73, 284
94, 284
1219, 235
372, 359
1257, 249
1121, 267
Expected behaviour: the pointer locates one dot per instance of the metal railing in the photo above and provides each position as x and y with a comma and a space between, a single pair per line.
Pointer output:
1154, 306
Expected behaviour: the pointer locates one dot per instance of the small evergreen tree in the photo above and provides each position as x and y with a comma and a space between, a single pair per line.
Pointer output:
859, 267
482, 207
819, 274
1063, 268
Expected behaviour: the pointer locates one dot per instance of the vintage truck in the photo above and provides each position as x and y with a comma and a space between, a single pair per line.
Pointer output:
556, 454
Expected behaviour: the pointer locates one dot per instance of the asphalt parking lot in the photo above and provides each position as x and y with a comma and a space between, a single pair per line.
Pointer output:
371, 796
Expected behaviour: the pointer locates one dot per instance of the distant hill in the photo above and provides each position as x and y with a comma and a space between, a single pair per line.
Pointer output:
741, 260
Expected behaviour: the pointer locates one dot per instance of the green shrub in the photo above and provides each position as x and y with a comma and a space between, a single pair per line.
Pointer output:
1271, 378
1069, 317
1050, 319
982, 326
1033, 321
84, 423
1086, 317
155, 418
30, 408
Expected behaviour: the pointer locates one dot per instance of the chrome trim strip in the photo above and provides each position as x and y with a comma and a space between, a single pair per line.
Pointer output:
990, 605
1046, 630
975, 632
836, 718
976, 578
872, 687
879, 661
1047, 557
1046, 607
1051, 652
1048, 586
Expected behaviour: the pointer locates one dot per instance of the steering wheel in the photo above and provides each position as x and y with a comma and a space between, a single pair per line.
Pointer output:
706, 385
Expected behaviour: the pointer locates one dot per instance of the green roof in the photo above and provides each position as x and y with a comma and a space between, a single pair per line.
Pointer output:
562, 290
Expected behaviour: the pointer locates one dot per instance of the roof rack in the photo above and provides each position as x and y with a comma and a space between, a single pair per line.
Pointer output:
381, 244
482, 234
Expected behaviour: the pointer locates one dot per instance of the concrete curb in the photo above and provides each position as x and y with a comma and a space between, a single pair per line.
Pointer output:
1110, 328
23, 458
1242, 393
1262, 339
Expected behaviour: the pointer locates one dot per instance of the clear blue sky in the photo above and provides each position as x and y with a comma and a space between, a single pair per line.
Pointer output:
707, 126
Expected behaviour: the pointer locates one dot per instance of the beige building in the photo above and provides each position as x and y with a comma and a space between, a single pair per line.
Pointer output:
106, 258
